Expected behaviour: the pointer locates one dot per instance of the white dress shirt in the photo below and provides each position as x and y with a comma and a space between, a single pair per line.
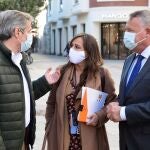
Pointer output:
16, 58
145, 54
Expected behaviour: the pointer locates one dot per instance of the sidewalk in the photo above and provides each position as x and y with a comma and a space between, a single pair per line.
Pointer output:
38, 68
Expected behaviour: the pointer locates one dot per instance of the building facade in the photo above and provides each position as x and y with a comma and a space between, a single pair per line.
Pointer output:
104, 19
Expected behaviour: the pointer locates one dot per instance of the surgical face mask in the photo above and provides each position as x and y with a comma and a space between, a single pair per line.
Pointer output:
76, 56
129, 40
27, 44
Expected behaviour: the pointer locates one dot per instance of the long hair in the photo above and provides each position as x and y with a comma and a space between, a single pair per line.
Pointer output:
93, 60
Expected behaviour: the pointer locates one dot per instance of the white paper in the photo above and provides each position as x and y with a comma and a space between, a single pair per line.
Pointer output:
95, 100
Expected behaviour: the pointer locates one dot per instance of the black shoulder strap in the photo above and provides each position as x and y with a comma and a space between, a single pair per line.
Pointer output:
102, 75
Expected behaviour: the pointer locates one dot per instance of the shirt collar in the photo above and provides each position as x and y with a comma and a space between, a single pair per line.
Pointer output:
16, 57
146, 52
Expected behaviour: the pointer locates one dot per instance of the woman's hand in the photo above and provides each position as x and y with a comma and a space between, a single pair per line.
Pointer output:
93, 120
52, 77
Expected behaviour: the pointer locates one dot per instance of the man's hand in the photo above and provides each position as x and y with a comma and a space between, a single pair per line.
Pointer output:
113, 111
52, 77
93, 120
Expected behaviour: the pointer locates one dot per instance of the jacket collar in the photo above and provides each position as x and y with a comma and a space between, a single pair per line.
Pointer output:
5, 50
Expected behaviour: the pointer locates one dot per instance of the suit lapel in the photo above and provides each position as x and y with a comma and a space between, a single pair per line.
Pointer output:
126, 70
141, 74
127, 67
124, 77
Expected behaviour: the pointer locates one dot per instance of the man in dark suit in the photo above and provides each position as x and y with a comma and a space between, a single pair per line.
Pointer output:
132, 110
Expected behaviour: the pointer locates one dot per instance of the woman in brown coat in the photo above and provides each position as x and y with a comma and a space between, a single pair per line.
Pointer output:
83, 69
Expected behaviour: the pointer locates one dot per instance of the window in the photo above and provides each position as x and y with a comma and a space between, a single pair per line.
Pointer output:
112, 41
50, 5
83, 27
49, 8
54, 41
66, 29
76, 1
61, 5
74, 30
60, 40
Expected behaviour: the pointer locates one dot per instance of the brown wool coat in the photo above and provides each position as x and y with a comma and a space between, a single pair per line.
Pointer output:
57, 135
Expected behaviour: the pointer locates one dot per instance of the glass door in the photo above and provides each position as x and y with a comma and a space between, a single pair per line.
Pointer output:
112, 41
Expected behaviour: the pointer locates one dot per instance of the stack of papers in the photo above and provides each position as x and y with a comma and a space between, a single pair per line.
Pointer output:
92, 101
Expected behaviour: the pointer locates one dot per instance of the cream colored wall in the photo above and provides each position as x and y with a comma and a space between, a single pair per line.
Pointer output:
91, 17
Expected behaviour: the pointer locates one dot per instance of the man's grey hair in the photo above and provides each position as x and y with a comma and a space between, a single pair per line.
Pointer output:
144, 15
10, 19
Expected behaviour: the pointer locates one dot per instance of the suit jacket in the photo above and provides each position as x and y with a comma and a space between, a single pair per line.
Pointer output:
135, 132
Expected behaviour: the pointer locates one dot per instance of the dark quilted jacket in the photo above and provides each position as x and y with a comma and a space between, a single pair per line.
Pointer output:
12, 102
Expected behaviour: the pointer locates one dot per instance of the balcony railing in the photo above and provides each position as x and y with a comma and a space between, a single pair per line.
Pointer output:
80, 7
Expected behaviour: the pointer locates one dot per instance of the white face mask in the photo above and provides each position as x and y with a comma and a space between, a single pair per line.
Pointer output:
27, 44
129, 40
76, 56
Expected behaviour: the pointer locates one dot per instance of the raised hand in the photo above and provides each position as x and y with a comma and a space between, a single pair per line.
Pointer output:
52, 77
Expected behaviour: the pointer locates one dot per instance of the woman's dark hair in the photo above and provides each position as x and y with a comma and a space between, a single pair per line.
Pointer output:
93, 60
90, 45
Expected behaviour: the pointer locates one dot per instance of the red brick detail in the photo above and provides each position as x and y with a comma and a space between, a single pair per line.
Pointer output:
95, 3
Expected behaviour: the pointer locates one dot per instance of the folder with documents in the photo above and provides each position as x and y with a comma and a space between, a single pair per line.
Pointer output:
92, 101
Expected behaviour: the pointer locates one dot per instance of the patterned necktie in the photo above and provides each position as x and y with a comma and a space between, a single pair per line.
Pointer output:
135, 71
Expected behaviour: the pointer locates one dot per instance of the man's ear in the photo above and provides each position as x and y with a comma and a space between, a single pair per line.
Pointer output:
17, 32
148, 31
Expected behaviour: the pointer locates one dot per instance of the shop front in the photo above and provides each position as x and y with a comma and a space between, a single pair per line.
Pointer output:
112, 46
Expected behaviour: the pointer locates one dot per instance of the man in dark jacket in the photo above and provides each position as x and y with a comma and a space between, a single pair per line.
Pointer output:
133, 110
17, 92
